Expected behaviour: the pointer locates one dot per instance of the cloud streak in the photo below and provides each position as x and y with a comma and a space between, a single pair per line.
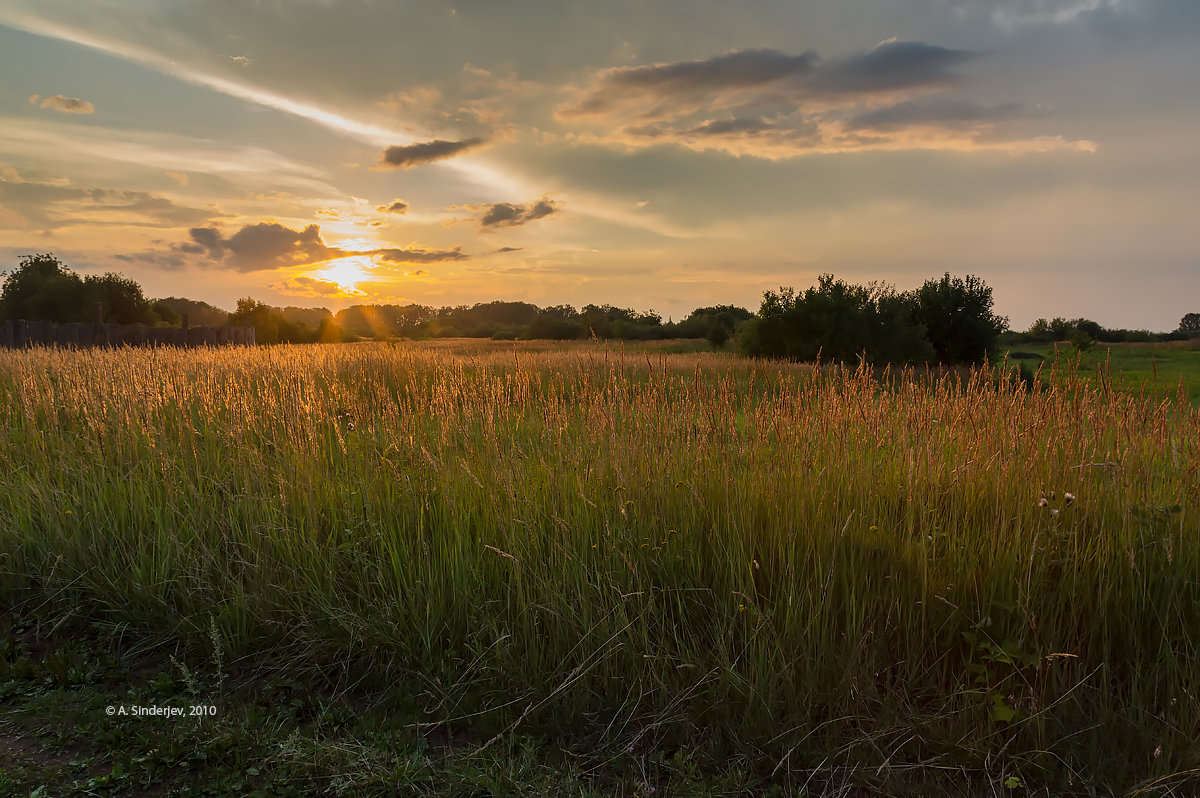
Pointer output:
50, 206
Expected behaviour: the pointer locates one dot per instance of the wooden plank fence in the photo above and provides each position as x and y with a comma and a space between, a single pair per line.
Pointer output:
78, 334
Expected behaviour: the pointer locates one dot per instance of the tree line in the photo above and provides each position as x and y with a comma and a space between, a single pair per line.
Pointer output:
948, 320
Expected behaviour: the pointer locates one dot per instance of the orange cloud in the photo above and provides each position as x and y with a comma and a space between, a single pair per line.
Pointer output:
66, 105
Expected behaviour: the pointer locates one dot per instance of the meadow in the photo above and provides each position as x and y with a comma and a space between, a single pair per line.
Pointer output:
635, 569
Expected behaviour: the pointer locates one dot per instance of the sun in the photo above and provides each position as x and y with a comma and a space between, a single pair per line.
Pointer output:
347, 273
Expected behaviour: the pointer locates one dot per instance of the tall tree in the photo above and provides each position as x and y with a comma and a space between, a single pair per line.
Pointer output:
958, 319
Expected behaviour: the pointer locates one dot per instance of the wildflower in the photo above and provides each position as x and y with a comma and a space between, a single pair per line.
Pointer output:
741, 608
874, 528
1042, 502
1070, 497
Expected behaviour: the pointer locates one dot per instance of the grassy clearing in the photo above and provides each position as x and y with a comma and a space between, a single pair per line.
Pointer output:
1159, 369
774, 575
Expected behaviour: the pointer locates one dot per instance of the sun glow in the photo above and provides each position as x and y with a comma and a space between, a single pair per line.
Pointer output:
346, 272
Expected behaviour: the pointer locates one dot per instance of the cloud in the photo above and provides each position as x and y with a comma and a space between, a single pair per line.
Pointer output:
891, 66
67, 105
395, 206
939, 112
737, 71
266, 245
414, 255
271, 245
472, 102
313, 287
511, 214
509, 249
766, 104
52, 205
410, 155
747, 78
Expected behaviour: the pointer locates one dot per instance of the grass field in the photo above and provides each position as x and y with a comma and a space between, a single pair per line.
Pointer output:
490, 568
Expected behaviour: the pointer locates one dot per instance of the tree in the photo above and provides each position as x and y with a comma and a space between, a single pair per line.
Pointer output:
200, 314
958, 318
1190, 324
121, 299
559, 322
43, 288
716, 323
270, 327
167, 314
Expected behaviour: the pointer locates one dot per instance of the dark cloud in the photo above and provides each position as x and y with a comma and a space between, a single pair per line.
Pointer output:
413, 255
510, 249
732, 71
410, 155
395, 206
749, 77
267, 245
511, 214
270, 245
940, 113
63, 104
727, 127
891, 66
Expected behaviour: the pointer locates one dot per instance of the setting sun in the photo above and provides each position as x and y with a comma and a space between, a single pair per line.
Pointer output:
347, 273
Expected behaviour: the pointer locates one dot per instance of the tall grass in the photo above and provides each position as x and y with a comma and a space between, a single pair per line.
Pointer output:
815, 569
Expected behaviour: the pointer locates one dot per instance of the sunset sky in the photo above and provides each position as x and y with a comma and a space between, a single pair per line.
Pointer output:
657, 155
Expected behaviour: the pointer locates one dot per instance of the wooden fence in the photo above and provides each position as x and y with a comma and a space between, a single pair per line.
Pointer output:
78, 334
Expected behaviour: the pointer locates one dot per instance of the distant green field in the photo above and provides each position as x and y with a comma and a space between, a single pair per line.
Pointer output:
1158, 368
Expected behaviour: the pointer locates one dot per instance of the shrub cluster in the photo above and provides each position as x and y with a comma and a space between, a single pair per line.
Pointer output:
948, 321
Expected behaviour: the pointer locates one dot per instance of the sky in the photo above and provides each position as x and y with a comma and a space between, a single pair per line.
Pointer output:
663, 156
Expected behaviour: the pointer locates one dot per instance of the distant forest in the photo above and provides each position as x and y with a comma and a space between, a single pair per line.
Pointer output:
948, 320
